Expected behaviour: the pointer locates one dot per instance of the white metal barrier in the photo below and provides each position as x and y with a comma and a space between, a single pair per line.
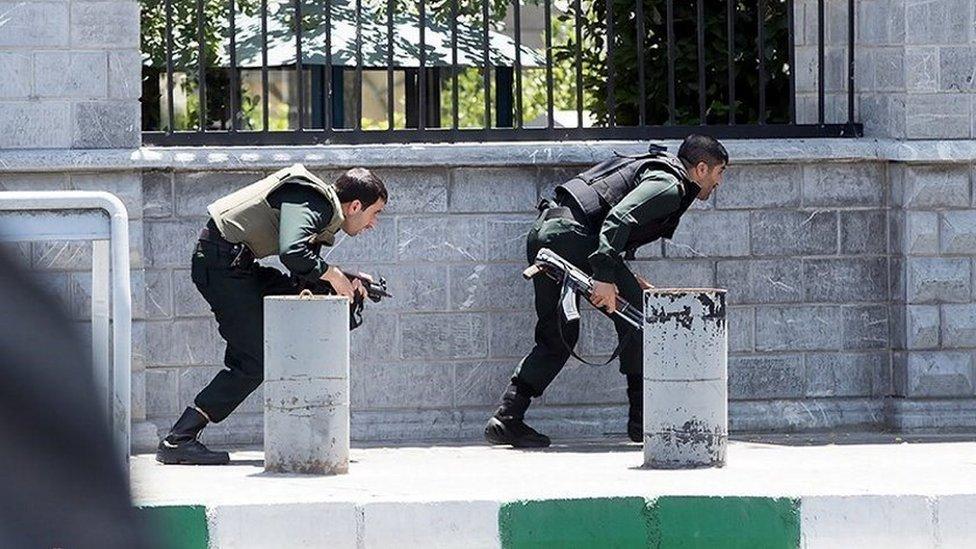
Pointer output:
101, 218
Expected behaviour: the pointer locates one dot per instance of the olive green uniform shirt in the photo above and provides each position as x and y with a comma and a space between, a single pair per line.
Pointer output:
657, 196
304, 214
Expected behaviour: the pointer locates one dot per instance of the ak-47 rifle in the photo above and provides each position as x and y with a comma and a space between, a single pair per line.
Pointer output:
575, 281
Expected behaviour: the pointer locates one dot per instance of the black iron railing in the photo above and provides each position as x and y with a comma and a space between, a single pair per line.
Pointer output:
623, 69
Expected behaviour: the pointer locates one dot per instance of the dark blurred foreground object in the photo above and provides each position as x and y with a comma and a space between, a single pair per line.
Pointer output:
61, 484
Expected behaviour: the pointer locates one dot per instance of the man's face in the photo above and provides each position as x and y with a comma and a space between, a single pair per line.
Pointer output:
708, 178
359, 219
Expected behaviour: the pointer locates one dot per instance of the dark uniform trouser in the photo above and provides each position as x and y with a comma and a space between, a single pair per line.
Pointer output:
236, 297
573, 242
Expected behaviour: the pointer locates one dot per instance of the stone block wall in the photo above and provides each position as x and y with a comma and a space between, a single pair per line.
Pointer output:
71, 74
850, 278
801, 247
934, 328
914, 68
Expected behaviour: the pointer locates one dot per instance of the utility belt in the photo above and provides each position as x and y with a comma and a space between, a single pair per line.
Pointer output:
552, 209
241, 257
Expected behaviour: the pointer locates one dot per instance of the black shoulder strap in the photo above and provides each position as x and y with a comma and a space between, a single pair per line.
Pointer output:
562, 339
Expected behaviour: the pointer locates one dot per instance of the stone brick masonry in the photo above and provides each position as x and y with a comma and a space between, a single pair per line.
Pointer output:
803, 249
850, 285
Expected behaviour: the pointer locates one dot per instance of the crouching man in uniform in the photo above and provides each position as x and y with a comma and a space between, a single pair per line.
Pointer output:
291, 214
597, 217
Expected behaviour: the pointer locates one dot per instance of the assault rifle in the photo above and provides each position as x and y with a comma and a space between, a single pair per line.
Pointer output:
575, 281
376, 290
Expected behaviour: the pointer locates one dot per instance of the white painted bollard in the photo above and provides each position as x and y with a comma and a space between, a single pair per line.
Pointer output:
306, 384
685, 378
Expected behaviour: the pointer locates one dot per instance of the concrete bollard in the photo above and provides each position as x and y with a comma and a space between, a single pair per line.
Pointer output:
306, 384
685, 378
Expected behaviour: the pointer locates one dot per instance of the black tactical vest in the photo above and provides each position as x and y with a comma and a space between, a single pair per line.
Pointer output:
597, 190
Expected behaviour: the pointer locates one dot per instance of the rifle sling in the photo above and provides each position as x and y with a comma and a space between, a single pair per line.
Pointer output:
559, 327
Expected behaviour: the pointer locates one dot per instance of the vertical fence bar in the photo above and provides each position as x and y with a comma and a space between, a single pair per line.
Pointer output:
550, 108
730, 50
421, 71
820, 61
299, 69
669, 23
850, 61
611, 92
389, 65
201, 69
233, 66
579, 62
791, 36
487, 62
700, 31
327, 96
761, 50
455, 122
264, 66
519, 121
358, 123
642, 92
169, 67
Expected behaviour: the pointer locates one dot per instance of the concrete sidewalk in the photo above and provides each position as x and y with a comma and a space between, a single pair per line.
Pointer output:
862, 494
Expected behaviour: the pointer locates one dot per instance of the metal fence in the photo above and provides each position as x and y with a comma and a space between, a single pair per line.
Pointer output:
624, 55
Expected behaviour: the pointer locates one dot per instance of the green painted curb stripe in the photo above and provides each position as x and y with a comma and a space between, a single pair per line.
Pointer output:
730, 522
177, 526
601, 522
666, 522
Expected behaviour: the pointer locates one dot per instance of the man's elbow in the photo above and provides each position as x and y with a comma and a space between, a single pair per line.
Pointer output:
293, 261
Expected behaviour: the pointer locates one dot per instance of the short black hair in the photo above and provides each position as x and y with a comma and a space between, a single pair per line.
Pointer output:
702, 148
362, 185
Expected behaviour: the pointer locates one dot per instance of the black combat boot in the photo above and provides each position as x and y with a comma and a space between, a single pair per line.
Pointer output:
507, 425
635, 416
181, 447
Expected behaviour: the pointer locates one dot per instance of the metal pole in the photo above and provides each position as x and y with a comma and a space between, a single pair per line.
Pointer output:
641, 39
761, 49
611, 90
700, 31
233, 66
851, 12
730, 47
669, 24
306, 387
169, 68
201, 68
821, 59
299, 68
265, 116
685, 378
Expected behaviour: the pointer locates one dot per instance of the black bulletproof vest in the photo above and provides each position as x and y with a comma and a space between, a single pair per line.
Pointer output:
597, 190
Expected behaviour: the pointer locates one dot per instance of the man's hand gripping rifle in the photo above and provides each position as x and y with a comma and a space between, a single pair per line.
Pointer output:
575, 281
376, 290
